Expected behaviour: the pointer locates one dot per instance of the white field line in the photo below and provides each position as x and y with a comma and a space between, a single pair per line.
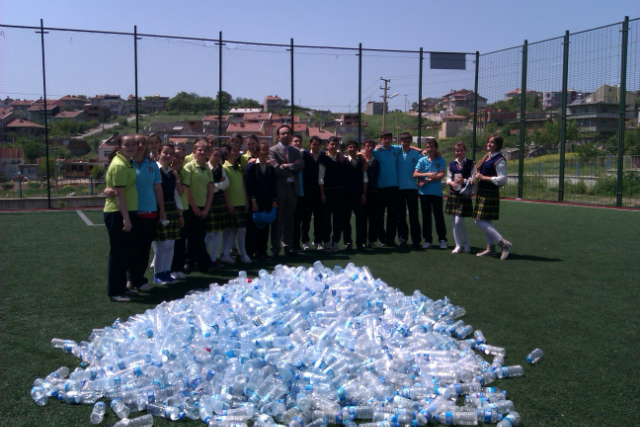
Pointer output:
87, 220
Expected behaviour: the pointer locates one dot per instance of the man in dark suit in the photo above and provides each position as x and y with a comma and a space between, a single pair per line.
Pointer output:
287, 162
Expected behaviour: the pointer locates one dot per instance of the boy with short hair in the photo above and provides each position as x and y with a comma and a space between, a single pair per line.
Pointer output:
355, 195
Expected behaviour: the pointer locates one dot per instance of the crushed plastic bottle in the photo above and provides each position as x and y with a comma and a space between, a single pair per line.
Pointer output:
534, 356
300, 347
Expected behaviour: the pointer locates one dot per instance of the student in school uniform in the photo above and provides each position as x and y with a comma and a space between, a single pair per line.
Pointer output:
153, 143
355, 196
198, 182
150, 211
237, 207
296, 142
218, 219
251, 142
373, 171
461, 170
179, 247
431, 169
386, 154
167, 232
492, 174
311, 201
260, 181
120, 215
331, 182
408, 192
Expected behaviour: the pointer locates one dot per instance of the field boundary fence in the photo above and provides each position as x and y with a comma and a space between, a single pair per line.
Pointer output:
567, 107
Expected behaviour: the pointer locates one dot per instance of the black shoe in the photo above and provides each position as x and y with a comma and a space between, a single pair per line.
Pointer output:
392, 245
403, 243
348, 247
290, 252
187, 268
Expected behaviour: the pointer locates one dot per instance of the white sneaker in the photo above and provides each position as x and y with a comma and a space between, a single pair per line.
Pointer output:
227, 259
146, 287
305, 247
319, 247
178, 275
443, 244
426, 245
246, 259
380, 244
467, 247
456, 250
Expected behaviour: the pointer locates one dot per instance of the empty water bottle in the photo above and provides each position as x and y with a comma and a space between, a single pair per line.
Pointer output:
120, 409
510, 371
97, 414
144, 421
513, 419
534, 356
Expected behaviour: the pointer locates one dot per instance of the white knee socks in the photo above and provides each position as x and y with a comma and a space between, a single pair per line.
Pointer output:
212, 241
490, 231
459, 231
163, 256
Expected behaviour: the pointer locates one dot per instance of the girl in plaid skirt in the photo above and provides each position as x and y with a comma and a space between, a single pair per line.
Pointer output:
492, 175
460, 171
167, 232
218, 219
237, 204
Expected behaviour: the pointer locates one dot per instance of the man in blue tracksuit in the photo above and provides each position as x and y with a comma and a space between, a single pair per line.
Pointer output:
387, 154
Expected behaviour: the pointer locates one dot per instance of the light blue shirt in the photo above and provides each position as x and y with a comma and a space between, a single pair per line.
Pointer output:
388, 165
147, 174
425, 165
406, 164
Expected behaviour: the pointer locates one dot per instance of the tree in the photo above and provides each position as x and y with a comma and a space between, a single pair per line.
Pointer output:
414, 106
461, 111
285, 103
32, 150
97, 171
245, 103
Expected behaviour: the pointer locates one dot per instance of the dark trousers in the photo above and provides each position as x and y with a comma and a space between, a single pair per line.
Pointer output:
353, 203
371, 217
142, 247
257, 239
333, 209
387, 200
312, 205
179, 253
429, 204
121, 246
408, 200
195, 232
297, 222
282, 227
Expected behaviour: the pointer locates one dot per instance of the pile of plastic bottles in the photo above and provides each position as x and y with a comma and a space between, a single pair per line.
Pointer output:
301, 347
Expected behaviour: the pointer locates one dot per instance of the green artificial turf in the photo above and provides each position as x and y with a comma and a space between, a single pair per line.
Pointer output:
570, 287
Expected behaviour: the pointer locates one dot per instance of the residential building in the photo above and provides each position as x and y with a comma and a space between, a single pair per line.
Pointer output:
77, 147
236, 115
114, 102
553, 100
531, 94
24, 127
20, 107
244, 129
29, 170
10, 158
191, 127
6, 102
600, 117
451, 126
321, 133
96, 112
272, 103
257, 117
36, 111
105, 150
76, 168
429, 103
490, 115
78, 116
7, 115
374, 108
152, 104
462, 98
610, 95
210, 124
72, 102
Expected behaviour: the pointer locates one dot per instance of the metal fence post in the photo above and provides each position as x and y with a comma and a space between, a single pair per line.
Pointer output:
292, 108
360, 93
135, 64
523, 118
91, 186
623, 101
46, 127
563, 115
420, 101
220, 86
475, 109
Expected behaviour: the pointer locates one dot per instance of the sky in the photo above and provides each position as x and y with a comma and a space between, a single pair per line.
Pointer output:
323, 78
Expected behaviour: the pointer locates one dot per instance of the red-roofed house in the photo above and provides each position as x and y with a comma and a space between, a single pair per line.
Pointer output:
78, 116
272, 103
24, 127
72, 102
6, 102
257, 117
245, 129
284, 119
36, 111
301, 128
20, 106
462, 98
114, 102
321, 133
10, 158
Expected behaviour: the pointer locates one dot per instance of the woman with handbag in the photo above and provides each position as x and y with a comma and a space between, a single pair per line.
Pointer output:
492, 175
460, 176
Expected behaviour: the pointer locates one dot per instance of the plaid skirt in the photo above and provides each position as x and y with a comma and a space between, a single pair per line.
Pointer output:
218, 218
239, 220
458, 205
171, 231
487, 205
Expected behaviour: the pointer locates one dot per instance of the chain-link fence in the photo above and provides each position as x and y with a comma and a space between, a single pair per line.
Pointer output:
557, 103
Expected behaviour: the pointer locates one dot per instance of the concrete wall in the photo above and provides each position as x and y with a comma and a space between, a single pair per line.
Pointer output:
41, 202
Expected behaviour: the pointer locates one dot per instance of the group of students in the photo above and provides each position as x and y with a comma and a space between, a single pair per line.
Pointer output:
195, 210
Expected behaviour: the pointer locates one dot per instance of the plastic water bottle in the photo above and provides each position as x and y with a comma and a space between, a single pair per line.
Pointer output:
144, 421
534, 356
510, 371
513, 419
479, 337
120, 409
458, 418
97, 414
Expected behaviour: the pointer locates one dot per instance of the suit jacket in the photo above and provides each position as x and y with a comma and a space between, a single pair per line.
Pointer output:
278, 157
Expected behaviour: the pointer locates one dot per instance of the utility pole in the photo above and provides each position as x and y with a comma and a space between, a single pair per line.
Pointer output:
384, 101
405, 103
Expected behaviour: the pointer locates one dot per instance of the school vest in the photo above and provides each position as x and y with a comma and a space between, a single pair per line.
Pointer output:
488, 168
